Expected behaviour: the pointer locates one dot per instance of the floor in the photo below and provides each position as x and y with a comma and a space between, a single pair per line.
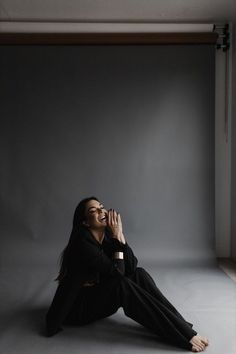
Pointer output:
204, 294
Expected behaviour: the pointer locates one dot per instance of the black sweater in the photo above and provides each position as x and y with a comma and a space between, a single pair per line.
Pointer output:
89, 261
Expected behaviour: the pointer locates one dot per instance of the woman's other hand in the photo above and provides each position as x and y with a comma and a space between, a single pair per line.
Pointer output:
114, 223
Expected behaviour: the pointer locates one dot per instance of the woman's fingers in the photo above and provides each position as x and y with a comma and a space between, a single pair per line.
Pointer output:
114, 217
119, 218
114, 223
111, 216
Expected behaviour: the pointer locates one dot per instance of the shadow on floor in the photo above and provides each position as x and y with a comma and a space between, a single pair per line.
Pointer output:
114, 330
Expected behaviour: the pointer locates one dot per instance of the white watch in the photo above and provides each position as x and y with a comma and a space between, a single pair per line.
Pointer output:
119, 255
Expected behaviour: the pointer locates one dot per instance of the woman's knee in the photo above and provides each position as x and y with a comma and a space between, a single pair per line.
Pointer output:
142, 274
141, 271
138, 272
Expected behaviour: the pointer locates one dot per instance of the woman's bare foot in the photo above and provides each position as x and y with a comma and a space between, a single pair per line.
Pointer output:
204, 340
199, 343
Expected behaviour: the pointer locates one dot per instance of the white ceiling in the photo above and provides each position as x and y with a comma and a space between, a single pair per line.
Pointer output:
119, 10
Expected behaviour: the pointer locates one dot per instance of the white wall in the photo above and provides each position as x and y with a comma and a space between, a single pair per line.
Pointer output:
130, 10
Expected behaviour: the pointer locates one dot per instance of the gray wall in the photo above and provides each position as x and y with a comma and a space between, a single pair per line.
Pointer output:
233, 164
233, 151
133, 125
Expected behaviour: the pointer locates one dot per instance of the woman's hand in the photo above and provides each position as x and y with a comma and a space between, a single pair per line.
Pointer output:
115, 225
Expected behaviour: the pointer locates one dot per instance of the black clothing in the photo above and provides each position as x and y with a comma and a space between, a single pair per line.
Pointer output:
118, 283
89, 261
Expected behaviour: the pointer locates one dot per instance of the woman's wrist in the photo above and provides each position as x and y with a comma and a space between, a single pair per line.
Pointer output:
120, 237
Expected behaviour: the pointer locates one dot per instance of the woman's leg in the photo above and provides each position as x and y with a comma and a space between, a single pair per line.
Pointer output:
104, 299
144, 279
95, 302
149, 311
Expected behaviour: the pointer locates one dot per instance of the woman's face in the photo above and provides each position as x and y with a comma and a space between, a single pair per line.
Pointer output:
96, 215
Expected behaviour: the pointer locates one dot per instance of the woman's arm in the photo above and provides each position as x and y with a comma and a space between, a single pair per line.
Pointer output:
91, 255
130, 259
115, 227
86, 254
63, 299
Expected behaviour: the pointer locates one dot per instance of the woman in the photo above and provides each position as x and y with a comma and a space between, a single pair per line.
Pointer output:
99, 274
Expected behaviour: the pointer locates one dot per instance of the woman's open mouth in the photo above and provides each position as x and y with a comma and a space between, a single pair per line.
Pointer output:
103, 219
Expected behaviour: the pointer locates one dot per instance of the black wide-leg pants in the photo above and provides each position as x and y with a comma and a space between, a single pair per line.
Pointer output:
140, 299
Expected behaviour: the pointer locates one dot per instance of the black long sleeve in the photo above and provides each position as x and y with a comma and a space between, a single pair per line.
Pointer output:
87, 258
63, 299
130, 259
91, 255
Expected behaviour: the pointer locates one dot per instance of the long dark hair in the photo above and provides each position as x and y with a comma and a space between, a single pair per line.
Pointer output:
79, 217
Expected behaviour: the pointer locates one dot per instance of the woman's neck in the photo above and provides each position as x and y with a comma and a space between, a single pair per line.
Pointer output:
98, 234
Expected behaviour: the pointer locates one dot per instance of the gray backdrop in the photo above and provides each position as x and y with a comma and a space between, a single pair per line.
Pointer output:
132, 125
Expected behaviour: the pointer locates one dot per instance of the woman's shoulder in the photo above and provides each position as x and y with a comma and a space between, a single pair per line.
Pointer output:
84, 233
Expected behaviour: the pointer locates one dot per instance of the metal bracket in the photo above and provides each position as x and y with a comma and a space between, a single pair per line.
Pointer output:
223, 40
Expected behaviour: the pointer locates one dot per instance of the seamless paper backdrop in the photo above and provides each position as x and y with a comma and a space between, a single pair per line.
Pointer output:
132, 125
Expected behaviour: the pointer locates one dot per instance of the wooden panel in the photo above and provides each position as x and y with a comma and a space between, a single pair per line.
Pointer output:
108, 38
